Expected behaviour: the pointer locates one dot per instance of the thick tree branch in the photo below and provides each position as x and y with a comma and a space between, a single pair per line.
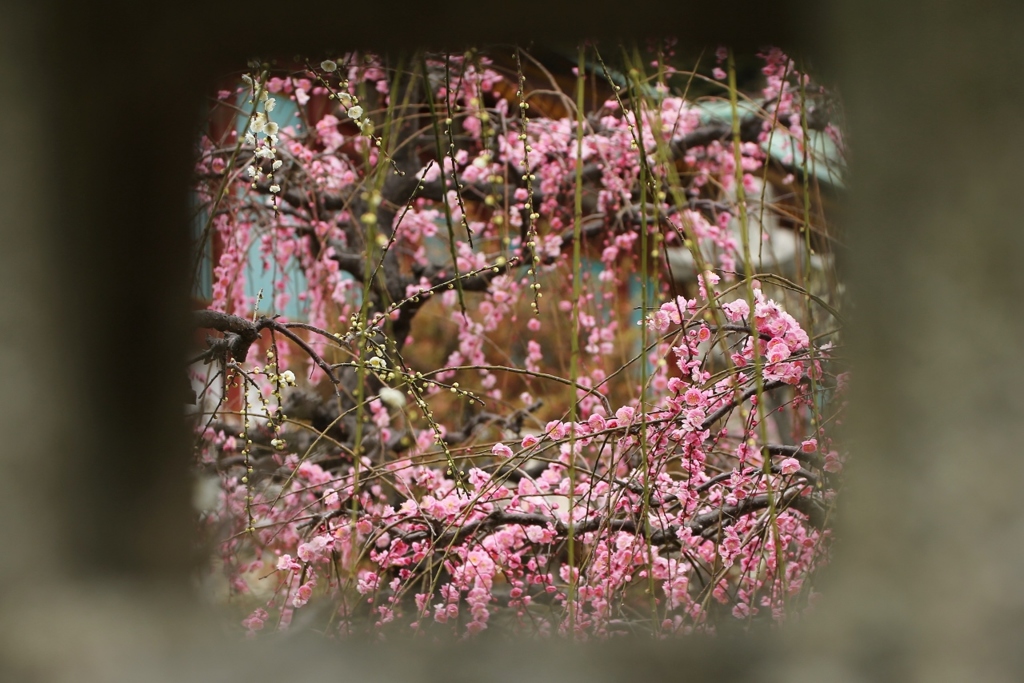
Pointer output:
240, 334
703, 525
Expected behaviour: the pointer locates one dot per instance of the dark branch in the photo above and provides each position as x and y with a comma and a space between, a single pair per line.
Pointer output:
240, 334
703, 525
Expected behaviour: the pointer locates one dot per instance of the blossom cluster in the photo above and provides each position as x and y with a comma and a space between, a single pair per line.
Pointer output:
499, 452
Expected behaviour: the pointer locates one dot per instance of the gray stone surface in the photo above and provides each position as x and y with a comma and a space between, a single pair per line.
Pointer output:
97, 109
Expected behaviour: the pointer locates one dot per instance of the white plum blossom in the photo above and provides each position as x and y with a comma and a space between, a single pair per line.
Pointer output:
391, 397
258, 122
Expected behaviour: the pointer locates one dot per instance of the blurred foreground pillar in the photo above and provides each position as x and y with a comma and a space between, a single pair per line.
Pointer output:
98, 109
928, 583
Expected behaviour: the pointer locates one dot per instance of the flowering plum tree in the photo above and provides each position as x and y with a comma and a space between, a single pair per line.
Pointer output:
474, 396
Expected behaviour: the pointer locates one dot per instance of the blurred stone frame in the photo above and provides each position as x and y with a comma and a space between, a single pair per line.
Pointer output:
96, 534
